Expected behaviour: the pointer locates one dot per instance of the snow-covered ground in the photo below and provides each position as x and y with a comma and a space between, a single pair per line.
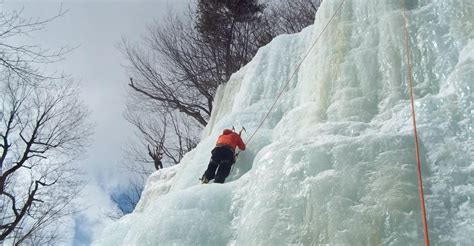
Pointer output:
334, 163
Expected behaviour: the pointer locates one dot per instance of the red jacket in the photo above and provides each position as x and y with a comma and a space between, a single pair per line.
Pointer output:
230, 139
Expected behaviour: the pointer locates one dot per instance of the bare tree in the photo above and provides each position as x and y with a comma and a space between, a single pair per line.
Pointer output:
176, 73
166, 139
171, 87
17, 58
43, 130
290, 16
163, 138
184, 58
157, 155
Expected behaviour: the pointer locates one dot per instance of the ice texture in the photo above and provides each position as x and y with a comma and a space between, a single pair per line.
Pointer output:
334, 163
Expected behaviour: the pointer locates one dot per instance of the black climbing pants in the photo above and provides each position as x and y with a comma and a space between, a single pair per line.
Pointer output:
221, 160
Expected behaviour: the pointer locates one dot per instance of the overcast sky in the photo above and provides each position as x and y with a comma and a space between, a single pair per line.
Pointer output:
96, 27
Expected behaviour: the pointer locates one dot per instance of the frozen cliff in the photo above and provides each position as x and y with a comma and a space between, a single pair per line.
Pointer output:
335, 162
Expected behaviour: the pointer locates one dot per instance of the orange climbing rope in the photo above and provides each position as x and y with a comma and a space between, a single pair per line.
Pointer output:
415, 133
293, 73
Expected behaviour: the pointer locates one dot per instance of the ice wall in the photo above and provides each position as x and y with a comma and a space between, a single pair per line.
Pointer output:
334, 163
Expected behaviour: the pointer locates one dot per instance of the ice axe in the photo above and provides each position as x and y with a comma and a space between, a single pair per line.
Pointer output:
243, 129
238, 152
240, 134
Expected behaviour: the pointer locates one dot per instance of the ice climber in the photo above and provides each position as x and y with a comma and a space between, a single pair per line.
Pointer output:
223, 156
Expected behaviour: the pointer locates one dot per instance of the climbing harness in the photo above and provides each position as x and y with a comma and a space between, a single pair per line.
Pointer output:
415, 133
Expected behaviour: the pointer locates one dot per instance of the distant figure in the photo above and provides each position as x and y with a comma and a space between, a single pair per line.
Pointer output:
223, 156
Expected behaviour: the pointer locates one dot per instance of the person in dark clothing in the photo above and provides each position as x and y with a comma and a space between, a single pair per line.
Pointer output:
223, 156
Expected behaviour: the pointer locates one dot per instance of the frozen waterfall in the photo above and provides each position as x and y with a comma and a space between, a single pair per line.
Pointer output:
334, 163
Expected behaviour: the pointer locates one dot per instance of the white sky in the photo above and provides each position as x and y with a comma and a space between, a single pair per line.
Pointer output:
97, 27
